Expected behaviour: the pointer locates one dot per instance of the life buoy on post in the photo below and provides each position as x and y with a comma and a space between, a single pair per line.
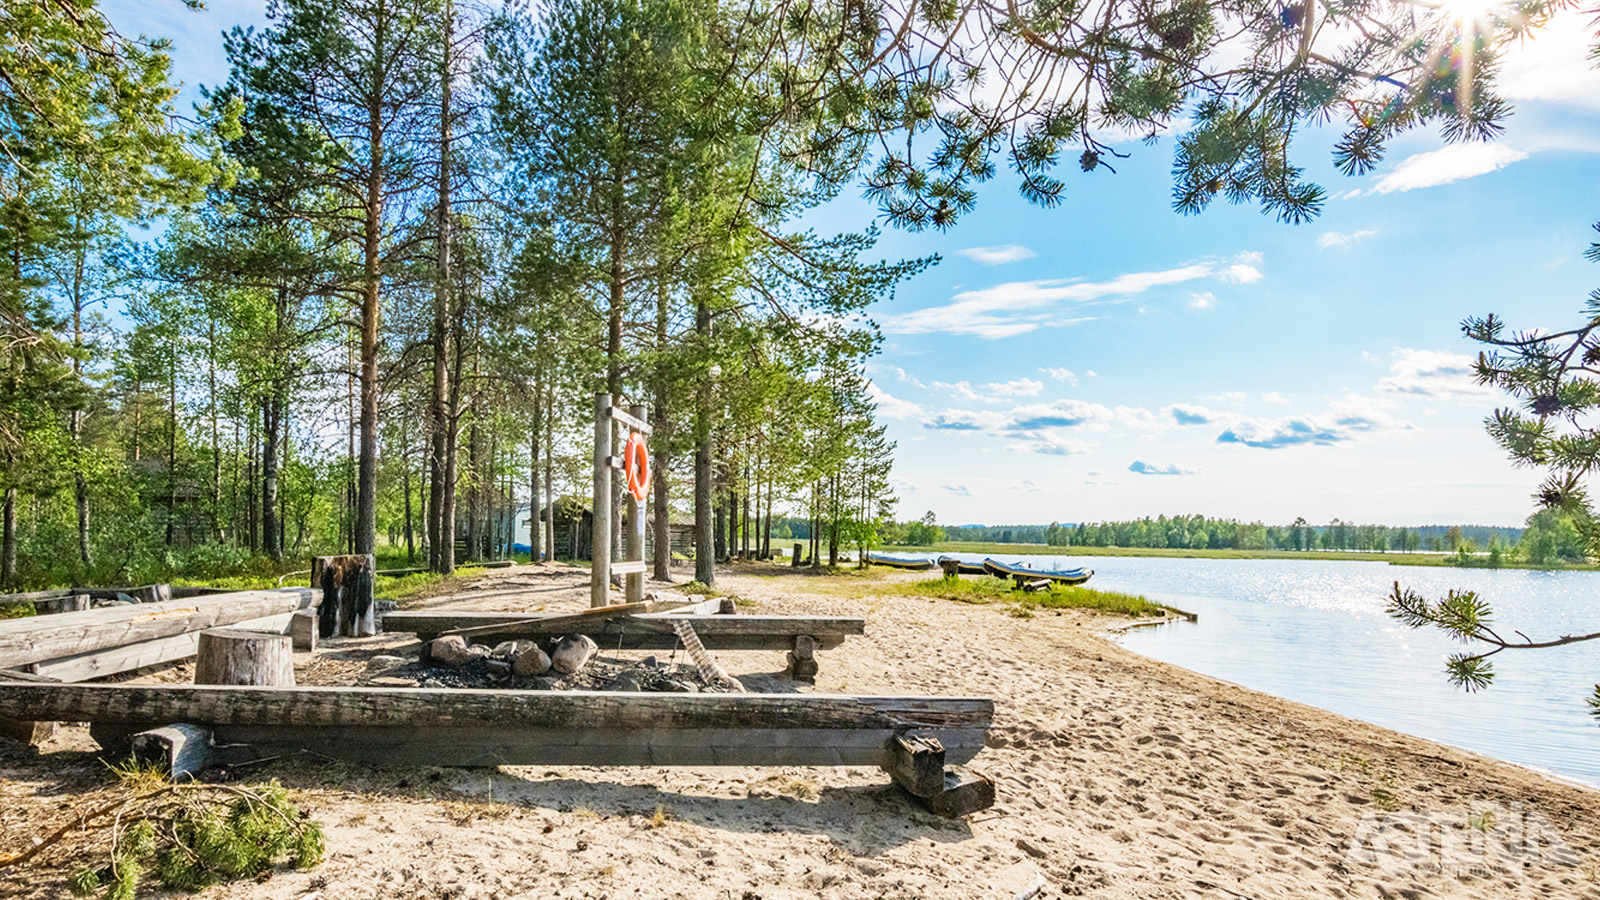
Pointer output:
636, 462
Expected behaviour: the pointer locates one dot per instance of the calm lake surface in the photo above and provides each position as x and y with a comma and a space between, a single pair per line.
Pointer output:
1315, 631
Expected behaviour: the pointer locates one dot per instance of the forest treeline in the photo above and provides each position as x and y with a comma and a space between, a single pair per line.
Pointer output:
1199, 532
363, 297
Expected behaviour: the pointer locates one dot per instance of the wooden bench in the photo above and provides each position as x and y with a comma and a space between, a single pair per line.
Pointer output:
800, 635
913, 738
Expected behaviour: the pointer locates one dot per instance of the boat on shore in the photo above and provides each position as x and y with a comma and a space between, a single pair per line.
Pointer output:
909, 563
1059, 576
963, 567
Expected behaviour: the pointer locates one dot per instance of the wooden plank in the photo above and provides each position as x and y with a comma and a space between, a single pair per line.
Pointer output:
100, 663
34, 597
631, 421
707, 607
638, 632
539, 746
24, 641
628, 567
445, 708
563, 624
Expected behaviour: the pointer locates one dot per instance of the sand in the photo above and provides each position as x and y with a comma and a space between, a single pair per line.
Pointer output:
1118, 777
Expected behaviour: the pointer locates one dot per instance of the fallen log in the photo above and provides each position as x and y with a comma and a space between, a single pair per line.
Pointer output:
24, 641
499, 727
26, 731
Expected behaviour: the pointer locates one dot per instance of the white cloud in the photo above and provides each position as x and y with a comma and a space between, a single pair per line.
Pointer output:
1433, 373
1447, 164
1274, 397
1050, 443
903, 375
960, 490
1240, 273
994, 391
1343, 239
1140, 467
892, 407
1202, 301
1021, 387
1346, 420
1138, 417
1553, 64
1066, 375
997, 255
1092, 374
1230, 396
1186, 414
1031, 487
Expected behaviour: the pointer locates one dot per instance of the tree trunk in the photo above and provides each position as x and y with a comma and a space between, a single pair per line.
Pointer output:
705, 569
172, 446
549, 480
80, 488
8, 540
405, 488
661, 432
271, 526
534, 514
438, 540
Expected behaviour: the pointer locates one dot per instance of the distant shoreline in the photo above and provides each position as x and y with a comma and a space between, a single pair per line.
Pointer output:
1420, 558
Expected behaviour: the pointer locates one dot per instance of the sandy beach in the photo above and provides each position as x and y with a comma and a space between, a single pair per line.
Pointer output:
1118, 777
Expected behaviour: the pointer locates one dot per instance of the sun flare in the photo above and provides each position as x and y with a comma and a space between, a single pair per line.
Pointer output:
1469, 10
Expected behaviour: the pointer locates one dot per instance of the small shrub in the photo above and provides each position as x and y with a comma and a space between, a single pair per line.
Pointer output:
20, 610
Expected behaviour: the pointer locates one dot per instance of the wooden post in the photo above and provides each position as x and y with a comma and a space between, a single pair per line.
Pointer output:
794, 557
635, 535
151, 593
345, 587
916, 763
303, 630
951, 567
802, 659
181, 750
232, 656
600, 545
26, 731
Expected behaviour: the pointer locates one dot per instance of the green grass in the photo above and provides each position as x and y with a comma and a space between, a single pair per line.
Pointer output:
988, 589
1002, 551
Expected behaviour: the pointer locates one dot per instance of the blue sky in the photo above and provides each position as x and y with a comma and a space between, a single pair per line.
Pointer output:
1109, 358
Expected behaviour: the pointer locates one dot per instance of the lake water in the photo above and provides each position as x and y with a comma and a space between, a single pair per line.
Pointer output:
1315, 631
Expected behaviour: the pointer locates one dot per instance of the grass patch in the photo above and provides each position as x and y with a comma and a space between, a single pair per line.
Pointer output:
989, 589
405, 588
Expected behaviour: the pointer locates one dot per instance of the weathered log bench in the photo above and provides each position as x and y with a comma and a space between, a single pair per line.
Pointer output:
800, 635
77, 646
912, 738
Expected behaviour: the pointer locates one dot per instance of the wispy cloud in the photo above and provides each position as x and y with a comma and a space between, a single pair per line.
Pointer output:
1045, 428
1019, 307
1066, 375
1031, 487
1202, 301
1341, 240
997, 255
1433, 373
1274, 397
960, 490
994, 391
1140, 467
1447, 164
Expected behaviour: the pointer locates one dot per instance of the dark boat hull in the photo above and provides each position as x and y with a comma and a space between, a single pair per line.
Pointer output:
896, 562
1012, 570
963, 567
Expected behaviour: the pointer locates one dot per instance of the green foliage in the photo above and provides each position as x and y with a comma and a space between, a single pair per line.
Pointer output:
190, 837
20, 610
987, 588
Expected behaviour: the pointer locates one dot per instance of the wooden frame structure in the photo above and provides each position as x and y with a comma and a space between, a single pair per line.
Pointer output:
606, 418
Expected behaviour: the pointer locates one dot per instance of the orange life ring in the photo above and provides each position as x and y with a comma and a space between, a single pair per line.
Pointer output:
636, 462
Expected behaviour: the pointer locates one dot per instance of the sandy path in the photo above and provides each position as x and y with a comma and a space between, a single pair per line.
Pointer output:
1118, 777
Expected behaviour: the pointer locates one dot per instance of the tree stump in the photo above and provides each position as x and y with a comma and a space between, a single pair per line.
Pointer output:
345, 585
794, 558
303, 630
181, 750
232, 656
951, 567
